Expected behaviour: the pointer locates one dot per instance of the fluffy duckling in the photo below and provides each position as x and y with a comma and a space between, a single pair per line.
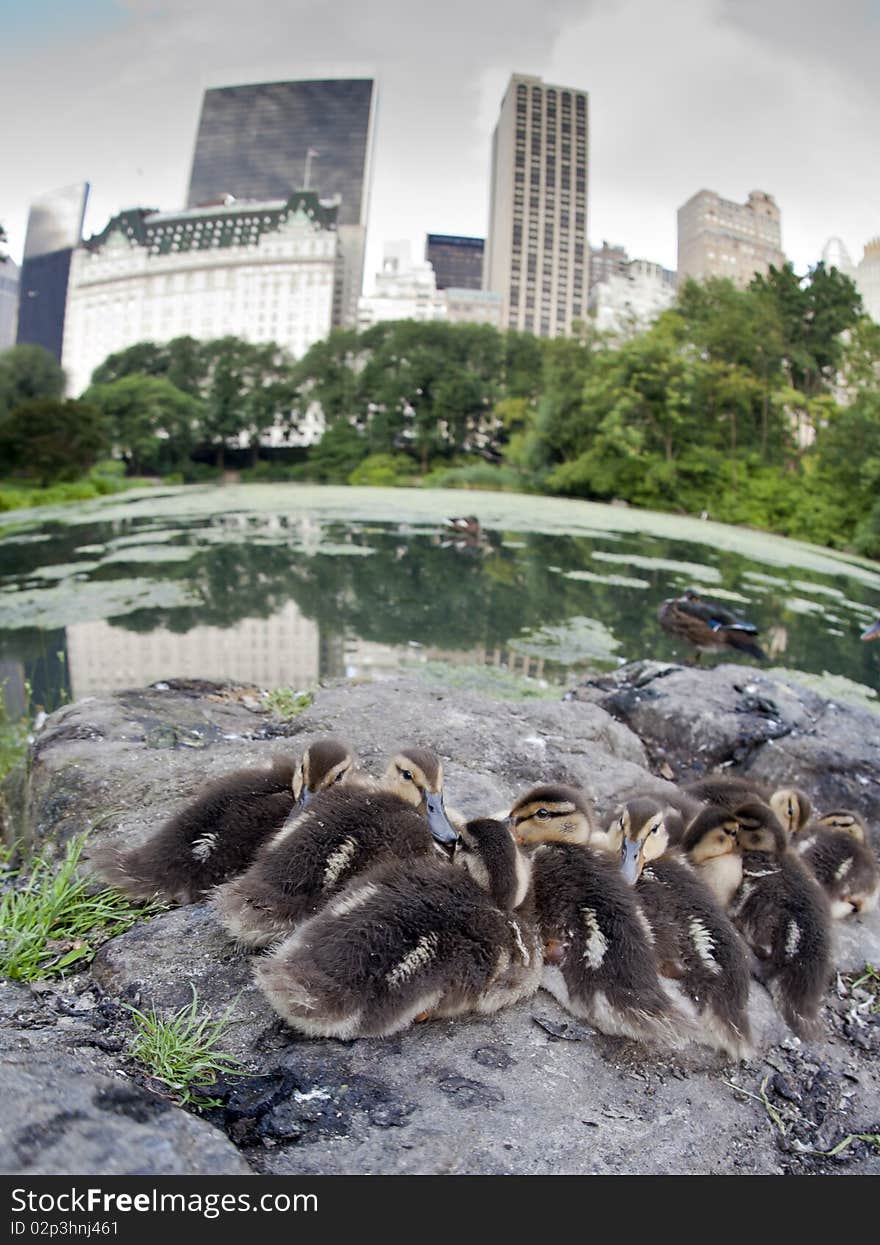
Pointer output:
726, 790
784, 916
793, 809
340, 834
598, 952
708, 626
218, 834
679, 808
412, 939
710, 844
836, 851
694, 941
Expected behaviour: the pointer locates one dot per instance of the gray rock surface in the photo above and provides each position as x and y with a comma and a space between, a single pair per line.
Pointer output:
527, 1090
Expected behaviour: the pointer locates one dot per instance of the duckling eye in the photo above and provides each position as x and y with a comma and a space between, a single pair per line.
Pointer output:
339, 777
542, 814
406, 774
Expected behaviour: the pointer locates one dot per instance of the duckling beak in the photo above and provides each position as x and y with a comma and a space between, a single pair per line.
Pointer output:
305, 799
873, 632
438, 823
630, 861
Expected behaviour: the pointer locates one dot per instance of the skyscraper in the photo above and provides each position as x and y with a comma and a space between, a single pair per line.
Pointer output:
457, 262
9, 274
54, 228
537, 256
267, 140
721, 238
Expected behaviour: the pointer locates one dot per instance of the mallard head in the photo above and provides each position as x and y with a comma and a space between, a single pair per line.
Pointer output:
637, 832
552, 814
793, 808
487, 850
759, 829
324, 763
416, 775
847, 821
712, 833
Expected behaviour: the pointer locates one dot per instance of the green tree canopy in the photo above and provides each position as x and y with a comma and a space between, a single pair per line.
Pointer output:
28, 372
48, 441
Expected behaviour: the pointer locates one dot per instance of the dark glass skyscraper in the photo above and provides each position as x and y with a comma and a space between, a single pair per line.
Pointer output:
254, 143
54, 229
457, 262
270, 139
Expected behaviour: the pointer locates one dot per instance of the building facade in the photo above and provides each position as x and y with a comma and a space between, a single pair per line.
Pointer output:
267, 140
537, 255
607, 261
627, 302
402, 290
264, 272
466, 306
54, 228
868, 278
9, 277
720, 238
457, 262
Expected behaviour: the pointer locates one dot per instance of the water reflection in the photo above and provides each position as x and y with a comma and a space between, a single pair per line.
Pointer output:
285, 600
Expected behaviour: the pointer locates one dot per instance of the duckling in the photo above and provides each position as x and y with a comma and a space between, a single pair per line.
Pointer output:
708, 626
679, 808
218, 834
340, 834
835, 850
726, 790
694, 941
710, 844
598, 951
793, 809
785, 918
413, 939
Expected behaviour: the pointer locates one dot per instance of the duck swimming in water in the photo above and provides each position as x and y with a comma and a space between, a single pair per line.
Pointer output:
708, 626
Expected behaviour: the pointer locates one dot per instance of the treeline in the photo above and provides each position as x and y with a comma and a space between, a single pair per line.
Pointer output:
758, 406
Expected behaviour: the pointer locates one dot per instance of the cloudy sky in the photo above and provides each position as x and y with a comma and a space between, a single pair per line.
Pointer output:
732, 95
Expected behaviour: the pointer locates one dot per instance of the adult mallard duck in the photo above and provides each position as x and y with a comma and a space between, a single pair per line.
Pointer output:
708, 626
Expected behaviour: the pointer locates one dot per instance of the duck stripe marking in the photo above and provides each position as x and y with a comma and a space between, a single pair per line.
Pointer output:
597, 943
520, 945
646, 926
792, 939
419, 957
338, 862
843, 869
704, 944
354, 899
203, 846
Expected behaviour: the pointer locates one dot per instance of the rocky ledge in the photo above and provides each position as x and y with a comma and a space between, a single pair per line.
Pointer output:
527, 1090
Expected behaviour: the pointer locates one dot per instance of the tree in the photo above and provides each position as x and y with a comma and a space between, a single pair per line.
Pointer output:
28, 372
151, 422
50, 441
337, 454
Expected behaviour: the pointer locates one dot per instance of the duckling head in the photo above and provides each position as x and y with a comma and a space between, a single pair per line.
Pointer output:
416, 775
793, 808
638, 832
759, 830
846, 820
551, 814
487, 850
324, 763
711, 834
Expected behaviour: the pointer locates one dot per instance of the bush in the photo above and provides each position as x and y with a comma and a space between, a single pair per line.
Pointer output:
335, 456
51, 442
383, 470
484, 476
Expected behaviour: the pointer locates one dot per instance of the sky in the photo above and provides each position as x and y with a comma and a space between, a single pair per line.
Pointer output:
727, 95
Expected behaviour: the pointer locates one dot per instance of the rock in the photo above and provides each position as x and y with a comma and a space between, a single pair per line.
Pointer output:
527, 1090
696, 720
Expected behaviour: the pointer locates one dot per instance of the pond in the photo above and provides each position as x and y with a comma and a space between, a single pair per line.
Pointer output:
282, 585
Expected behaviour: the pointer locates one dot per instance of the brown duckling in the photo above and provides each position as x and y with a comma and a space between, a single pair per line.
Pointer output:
218, 834
694, 941
599, 957
412, 939
679, 808
835, 849
710, 844
726, 790
784, 916
340, 834
793, 809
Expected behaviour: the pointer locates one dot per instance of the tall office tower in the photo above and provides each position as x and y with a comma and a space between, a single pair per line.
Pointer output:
835, 255
270, 139
457, 262
868, 278
720, 238
263, 272
9, 275
607, 261
54, 229
537, 256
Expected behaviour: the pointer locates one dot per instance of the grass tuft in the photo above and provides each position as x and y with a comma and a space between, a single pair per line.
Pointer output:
285, 703
50, 921
181, 1050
